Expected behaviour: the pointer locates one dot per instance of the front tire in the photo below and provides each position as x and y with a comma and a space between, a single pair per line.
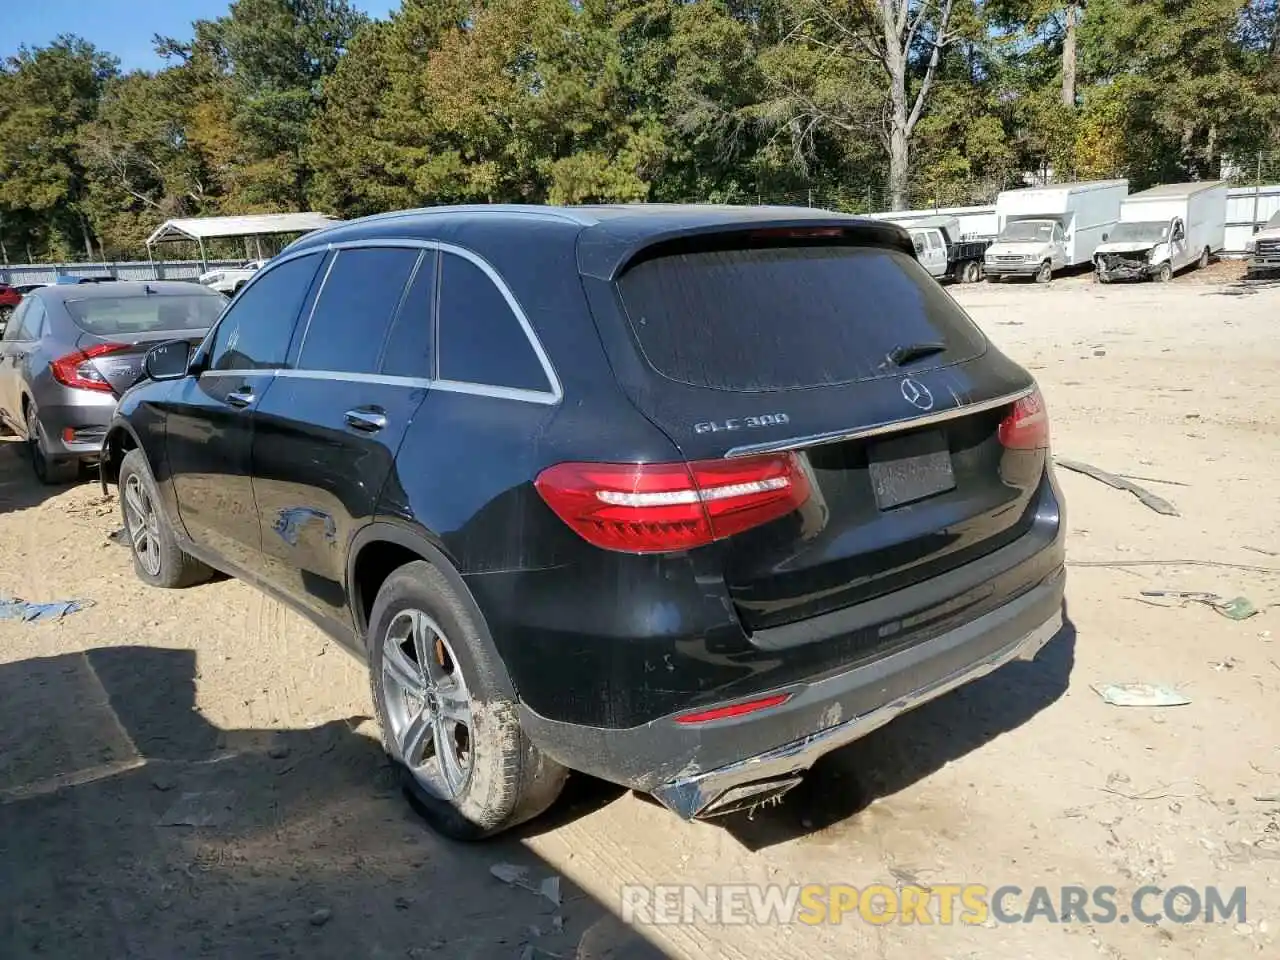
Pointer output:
1045, 273
48, 470
447, 710
1165, 273
157, 558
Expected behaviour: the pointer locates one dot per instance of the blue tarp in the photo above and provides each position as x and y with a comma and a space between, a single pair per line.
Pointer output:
31, 612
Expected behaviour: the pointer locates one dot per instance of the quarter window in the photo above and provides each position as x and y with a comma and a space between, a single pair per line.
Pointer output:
352, 316
256, 329
481, 340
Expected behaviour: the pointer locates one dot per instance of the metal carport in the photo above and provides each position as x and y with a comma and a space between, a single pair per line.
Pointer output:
256, 225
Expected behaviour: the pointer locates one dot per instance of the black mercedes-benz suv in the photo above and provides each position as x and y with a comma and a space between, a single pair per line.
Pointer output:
683, 497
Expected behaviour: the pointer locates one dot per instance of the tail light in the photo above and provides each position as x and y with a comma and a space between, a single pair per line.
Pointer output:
77, 369
1027, 425
659, 507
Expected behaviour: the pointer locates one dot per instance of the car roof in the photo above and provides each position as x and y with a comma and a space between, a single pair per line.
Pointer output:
119, 288
607, 235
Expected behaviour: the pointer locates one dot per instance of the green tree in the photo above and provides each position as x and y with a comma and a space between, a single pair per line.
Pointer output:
47, 96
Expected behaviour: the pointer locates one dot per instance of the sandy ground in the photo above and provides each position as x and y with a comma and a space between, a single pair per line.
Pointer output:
194, 774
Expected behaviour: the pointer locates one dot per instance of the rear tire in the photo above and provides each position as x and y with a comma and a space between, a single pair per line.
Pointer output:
157, 558
437, 681
1205, 257
1045, 273
48, 470
971, 273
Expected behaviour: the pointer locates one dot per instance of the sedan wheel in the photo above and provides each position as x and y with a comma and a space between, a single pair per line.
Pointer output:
47, 470
428, 705
144, 525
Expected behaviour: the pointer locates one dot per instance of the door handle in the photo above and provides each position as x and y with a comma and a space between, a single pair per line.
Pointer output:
241, 398
366, 419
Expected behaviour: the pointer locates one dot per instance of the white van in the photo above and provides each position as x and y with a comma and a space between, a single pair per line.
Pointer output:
1164, 229
1046, 229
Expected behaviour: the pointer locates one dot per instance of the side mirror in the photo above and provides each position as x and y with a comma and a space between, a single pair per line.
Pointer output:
168, 361
1105, 237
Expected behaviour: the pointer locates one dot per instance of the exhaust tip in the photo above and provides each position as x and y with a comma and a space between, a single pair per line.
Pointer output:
691, 800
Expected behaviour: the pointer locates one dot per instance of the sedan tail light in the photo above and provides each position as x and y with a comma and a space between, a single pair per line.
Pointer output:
78, 370
660, 507
1027, 425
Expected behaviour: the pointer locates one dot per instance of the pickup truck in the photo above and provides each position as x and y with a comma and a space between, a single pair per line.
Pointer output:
943, 252
1263, 249
229, 280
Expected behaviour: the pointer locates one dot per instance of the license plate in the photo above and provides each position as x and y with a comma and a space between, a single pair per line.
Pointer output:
907, 469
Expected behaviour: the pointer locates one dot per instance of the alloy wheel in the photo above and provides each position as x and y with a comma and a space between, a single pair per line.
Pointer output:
427, 702
143, 523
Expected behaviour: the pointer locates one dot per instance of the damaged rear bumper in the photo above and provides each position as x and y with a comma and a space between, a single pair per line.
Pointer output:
729, 771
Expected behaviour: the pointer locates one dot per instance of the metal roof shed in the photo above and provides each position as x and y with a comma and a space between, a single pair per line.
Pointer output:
256, 225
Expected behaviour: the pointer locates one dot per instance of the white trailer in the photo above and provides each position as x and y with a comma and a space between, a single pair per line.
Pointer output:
1046, 229
1164, 229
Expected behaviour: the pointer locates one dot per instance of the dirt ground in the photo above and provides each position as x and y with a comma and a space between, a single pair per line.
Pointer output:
193, 774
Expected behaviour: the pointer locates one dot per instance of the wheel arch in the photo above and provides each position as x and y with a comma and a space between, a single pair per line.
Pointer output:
381, 548
120, 439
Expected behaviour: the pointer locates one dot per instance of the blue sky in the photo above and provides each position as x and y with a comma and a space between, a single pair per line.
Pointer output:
121, 27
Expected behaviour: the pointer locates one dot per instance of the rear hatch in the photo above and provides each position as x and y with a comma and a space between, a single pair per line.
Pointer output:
117, 331
848, 353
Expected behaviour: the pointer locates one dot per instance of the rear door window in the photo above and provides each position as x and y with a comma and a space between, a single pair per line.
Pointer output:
361, 292
789, 317
481, 340
18, 321
407, 352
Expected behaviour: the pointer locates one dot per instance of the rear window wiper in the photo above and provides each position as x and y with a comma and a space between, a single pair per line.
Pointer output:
909, 352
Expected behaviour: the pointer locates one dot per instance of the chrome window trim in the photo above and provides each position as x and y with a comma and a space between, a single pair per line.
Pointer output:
552, 396
417, 383
878, 429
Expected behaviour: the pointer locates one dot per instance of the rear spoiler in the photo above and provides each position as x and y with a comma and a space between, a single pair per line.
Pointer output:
608, 249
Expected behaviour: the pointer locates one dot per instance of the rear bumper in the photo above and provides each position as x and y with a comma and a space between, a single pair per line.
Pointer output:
86, 422
709, 768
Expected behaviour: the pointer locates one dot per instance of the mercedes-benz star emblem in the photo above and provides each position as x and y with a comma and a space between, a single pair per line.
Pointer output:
917, 394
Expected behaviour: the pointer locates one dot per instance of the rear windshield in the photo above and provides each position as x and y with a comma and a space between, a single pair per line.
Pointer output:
147, 313
790, 317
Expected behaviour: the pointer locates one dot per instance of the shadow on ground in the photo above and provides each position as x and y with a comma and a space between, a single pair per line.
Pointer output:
19, 488
130, 826
913, 746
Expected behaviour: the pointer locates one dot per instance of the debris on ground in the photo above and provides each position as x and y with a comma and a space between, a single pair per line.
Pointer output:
517, 876
1268, 553
16, 609
1237, 608
1139, 695
210, 808
1149, 499
1119, 564
119, 537
321, 916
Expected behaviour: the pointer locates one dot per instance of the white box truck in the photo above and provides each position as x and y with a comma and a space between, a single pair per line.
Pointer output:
1046, 229
1164, 229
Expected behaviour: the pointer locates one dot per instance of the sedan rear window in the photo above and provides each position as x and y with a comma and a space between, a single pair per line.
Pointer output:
790, 317
116, 316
